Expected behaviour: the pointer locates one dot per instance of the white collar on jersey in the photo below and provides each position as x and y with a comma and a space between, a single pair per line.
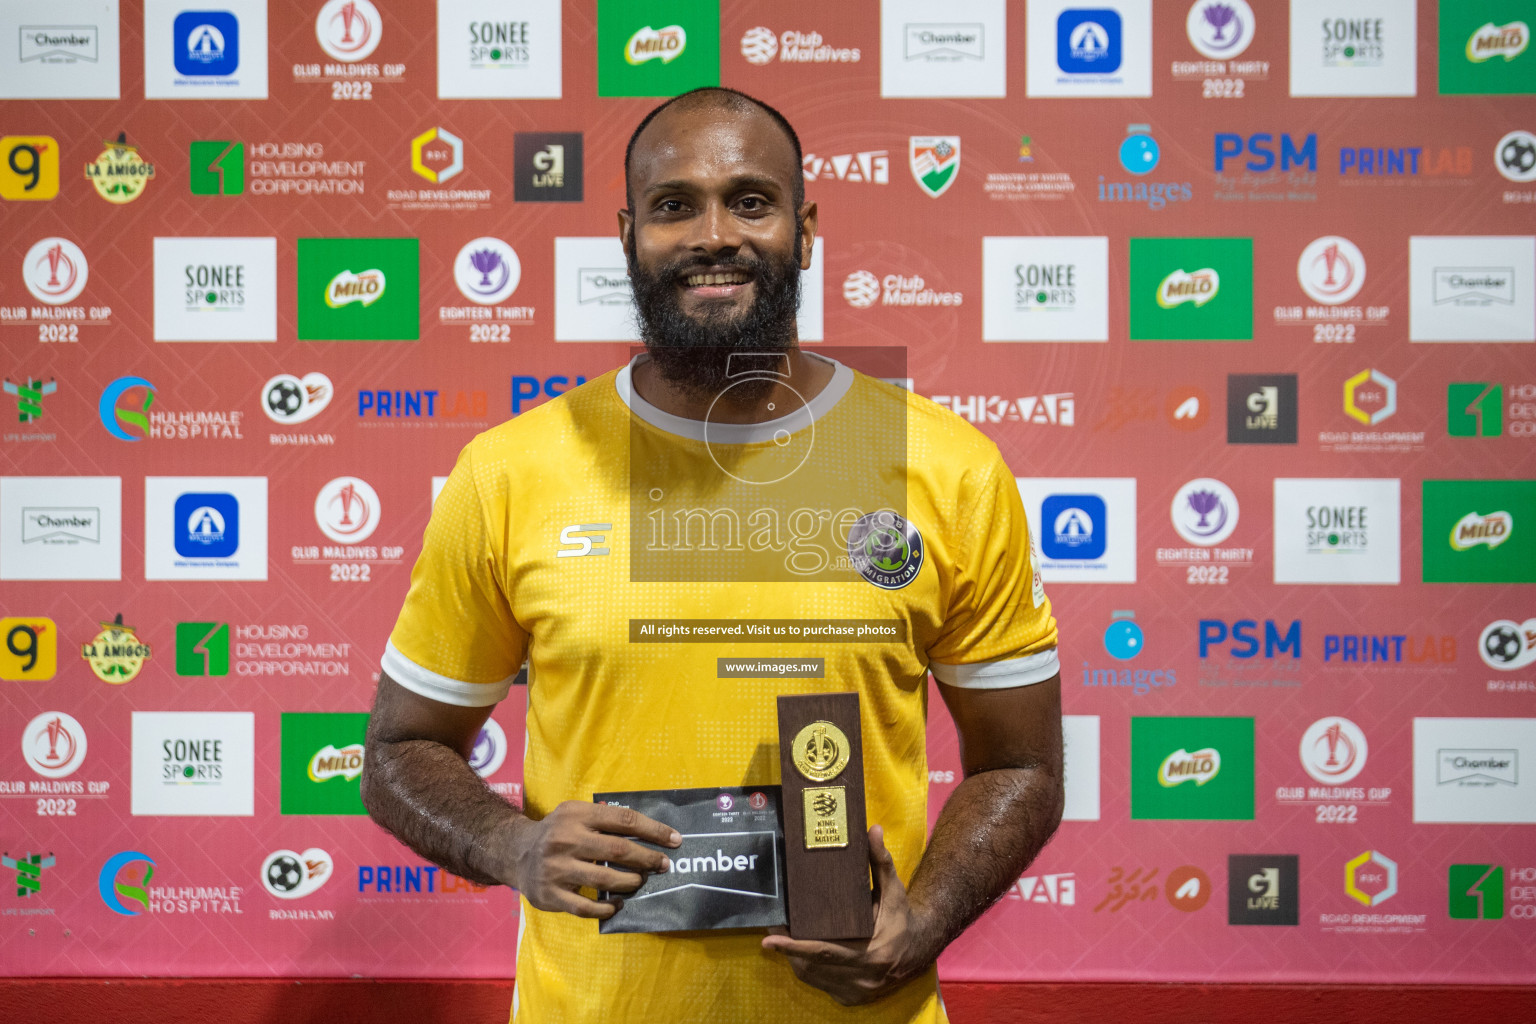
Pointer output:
737, 433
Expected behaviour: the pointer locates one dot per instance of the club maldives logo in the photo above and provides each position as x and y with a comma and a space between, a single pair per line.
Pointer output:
289, 400
119, 174
116, 654
666, 44
347, 510
1199, 767
349, 30
54, 745
1331, 270
760, 46
487, 271
1205, 511
1474, 529
118, 421
1220, 29
1508, 645
124, 880
935, 162
1181, 286
1490, 41
1333, 750
55, 271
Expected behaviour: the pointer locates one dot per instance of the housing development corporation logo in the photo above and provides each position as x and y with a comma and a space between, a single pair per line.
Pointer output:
1476, 892
217, 167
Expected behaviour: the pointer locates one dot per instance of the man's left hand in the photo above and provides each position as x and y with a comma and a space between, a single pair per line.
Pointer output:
862, 971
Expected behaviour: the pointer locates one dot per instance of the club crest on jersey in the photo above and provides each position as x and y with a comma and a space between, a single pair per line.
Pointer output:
886, 549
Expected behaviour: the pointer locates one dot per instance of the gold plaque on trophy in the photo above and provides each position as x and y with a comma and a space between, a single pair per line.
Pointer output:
826, 817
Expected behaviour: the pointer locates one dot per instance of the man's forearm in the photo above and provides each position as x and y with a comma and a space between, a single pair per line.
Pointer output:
432, 801
989, 831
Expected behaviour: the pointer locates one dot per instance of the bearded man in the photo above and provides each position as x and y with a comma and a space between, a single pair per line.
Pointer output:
559, 528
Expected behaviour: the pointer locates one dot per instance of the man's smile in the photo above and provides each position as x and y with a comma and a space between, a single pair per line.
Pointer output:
715, 282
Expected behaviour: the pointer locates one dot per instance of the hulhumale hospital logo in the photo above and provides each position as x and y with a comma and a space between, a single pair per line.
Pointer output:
124, 880
886, 549
119, 422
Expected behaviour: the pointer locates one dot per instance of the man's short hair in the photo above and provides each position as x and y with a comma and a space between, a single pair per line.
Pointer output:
730, 99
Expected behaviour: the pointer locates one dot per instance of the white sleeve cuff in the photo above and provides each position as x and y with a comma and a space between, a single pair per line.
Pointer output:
999, 675
426, 683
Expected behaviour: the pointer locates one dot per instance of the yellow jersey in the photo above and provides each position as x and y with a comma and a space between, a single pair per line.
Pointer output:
561, 534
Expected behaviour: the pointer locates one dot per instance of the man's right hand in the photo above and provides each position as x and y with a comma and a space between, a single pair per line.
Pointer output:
551, 858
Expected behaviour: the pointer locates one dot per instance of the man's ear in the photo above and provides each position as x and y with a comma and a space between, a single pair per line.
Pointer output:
627, 233
807, 234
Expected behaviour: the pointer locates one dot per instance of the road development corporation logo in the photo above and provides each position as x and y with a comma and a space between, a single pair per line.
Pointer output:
116, 654
55, 271
487, 271
292, 876
1205, 511
119, 174
1508, 645
1371, 878
1370, 396
54, 745
935, 162
1220, 29
886, 549
349, 30
289, 400
124, 882
437, 155
1333, 750
347, 510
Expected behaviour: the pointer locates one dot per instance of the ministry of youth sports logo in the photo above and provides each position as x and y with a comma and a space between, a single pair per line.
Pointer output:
886, 549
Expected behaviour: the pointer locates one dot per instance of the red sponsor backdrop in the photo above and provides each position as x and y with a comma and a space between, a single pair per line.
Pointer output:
1105, 912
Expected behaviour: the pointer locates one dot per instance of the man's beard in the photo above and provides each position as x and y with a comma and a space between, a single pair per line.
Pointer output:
693, 354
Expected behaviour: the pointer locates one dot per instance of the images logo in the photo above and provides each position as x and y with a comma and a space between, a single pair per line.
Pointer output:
1139, 153
117, 421
349, 30
1505, 644
322, 758
29, 167
1191, 289
202, 648
448, 155
289, 400
1476, 892
1262, 889
1333, 750
119, 174
116, 654
1123, 640
1215, 753
206, 43
1182, 766
1474, 410
1220, 29
487, 271
1331, 270
547, 167
291, 876
125, 876
1205, 511
347, 510
55, 271
217, 168
358, 289
935, 162
31, 649
54, 745
1370, 396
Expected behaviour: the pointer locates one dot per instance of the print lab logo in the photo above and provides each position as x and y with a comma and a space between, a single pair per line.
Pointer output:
761, 46
347, 510
349, 30
1220, 29
55, 271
